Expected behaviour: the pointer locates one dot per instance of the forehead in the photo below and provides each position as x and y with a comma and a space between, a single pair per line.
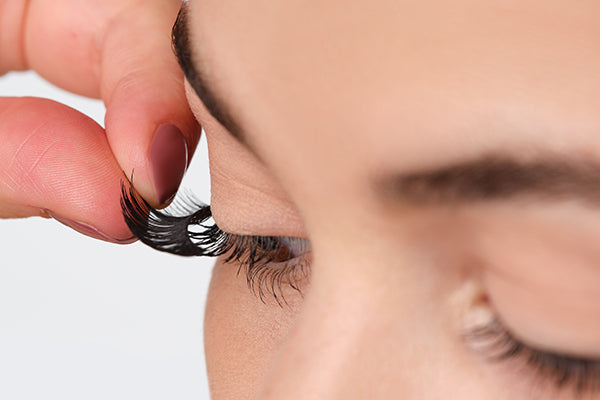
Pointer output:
390, 80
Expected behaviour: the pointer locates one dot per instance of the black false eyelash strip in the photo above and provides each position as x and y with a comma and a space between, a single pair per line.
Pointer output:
170, 233
189, 234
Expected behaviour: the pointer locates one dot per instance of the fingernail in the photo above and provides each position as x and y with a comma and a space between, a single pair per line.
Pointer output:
87, 229
168, 160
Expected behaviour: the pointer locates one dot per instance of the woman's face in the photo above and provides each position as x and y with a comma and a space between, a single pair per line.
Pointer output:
443, 160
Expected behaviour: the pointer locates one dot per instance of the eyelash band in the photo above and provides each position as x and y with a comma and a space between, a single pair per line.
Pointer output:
581, 374
269, 262
170, 233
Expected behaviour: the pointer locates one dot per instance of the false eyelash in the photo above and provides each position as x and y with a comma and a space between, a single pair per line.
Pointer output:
581, 374
267, 262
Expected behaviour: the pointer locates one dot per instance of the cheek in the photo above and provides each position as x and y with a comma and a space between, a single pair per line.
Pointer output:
242, 334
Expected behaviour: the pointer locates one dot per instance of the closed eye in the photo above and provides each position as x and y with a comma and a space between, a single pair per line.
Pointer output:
269, 262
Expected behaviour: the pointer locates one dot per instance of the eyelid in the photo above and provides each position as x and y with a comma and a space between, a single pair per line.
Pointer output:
246, 197
484, 331
498, 344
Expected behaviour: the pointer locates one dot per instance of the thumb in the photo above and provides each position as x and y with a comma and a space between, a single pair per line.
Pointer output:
55, 161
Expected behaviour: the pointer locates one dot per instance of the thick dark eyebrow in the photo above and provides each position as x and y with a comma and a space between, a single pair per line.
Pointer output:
180, 39
493, 177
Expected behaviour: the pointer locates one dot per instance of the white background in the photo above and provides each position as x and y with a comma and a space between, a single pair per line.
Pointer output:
83, 319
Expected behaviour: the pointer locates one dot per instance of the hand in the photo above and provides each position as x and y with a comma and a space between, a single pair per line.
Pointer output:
55, 161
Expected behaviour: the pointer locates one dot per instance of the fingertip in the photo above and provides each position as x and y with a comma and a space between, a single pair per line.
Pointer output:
168, 157
153, 139
149, 125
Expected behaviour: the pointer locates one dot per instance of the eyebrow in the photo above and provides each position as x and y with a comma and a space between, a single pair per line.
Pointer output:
496, 177
180, 39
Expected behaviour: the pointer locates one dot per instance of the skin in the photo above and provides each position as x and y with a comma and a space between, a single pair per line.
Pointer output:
330, 95
55, 160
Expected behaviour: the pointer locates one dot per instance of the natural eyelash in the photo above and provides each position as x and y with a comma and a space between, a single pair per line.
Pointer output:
185, 231
582, 374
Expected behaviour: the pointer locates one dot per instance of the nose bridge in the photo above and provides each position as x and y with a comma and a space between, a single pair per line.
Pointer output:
346, 343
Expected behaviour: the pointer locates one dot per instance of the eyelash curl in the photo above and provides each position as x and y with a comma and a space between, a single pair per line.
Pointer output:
270, 263
564, 371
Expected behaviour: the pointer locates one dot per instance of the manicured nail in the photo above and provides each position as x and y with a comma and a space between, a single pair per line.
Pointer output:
87, 229
168, 160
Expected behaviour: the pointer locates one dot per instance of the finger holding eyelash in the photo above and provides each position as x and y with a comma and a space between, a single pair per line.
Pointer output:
148, 121
119, 51
55, 161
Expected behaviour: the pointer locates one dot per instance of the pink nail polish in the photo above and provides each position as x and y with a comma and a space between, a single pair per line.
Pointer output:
86, 229
168, 160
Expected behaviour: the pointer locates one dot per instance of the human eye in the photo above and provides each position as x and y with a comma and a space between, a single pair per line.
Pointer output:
550, 371
269, 263
563, 371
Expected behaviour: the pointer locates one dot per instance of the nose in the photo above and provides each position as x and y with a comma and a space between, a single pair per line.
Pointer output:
359, 336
